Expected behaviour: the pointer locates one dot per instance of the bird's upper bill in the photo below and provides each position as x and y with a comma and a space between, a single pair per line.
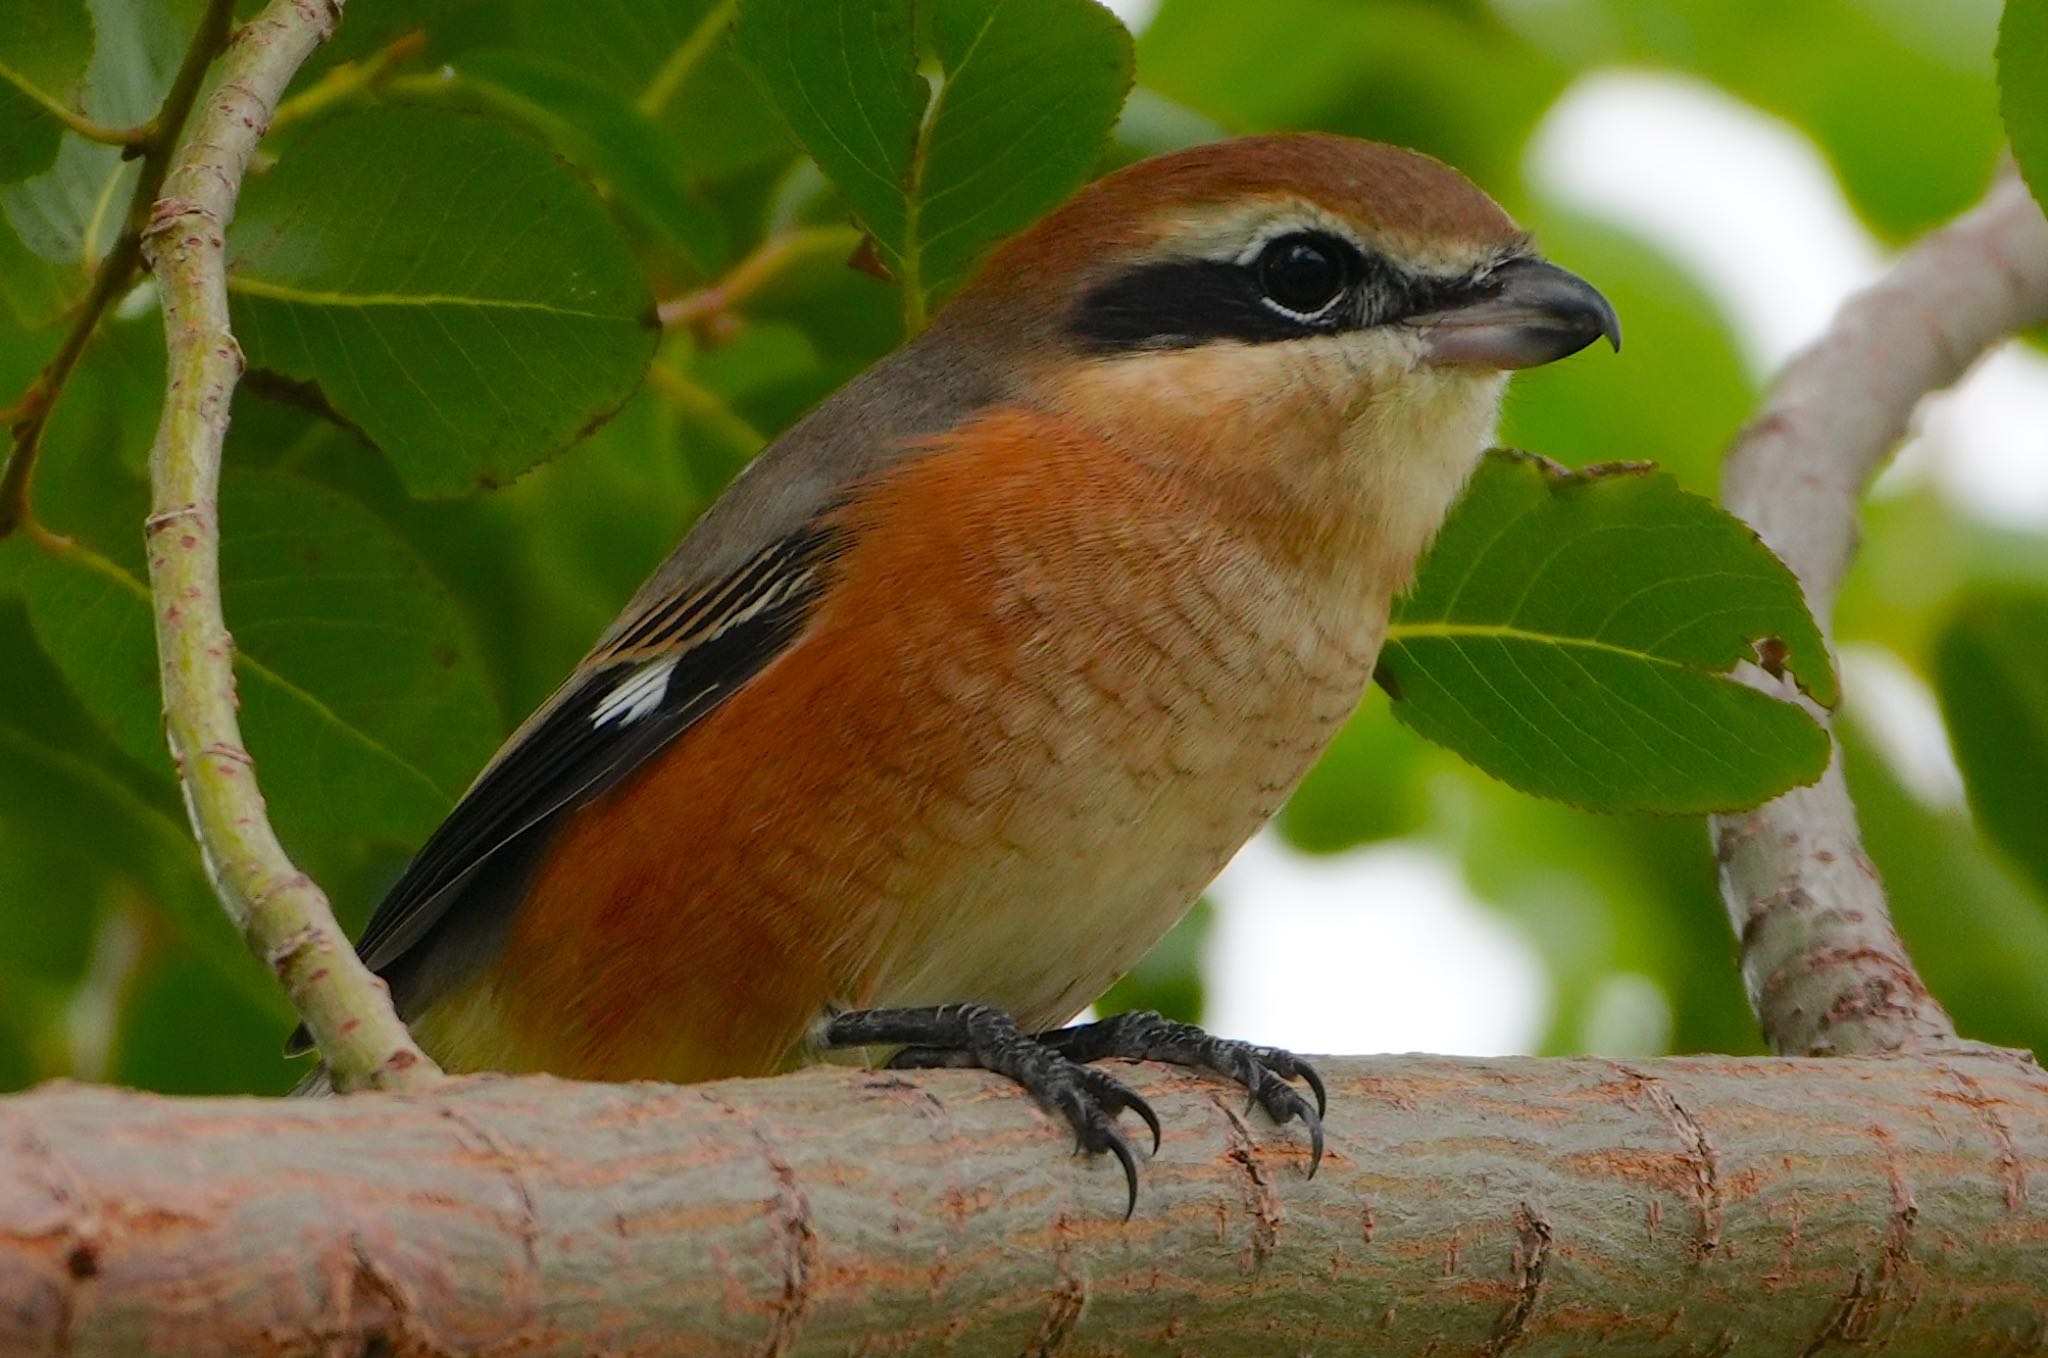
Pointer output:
1266, 239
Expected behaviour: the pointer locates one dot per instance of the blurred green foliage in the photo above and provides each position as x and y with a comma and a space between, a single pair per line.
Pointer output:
493, 193
2023, 87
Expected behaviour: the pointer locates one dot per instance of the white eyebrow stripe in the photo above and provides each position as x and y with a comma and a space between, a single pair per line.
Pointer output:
1289, 226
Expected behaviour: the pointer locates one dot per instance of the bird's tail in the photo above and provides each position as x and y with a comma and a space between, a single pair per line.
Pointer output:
317, 1084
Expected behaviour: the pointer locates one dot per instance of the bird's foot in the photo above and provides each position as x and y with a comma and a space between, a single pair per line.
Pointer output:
1143, 1035
976, 1036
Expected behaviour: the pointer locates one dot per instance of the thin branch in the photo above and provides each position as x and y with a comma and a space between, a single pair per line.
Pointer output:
72, 119
350, 79
282, 914
706, 406
686, 58
1702, 1206
1825, 968
708, 308
110, 282
30, 415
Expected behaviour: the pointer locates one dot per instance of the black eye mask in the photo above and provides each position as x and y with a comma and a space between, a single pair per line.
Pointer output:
1300, 284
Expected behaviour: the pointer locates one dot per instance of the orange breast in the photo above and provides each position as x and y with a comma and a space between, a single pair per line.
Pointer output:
1046, 696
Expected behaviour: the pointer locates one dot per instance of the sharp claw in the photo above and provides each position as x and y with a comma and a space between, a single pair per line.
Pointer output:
1117, 1097
1284, 1103
1089, 1101
1122, 1151
1144, 1110
1314, 1081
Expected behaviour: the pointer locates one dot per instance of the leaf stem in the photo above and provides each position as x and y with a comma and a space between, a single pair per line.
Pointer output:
700, 402
75, 121
687, 57
349, 79
282, 914
914, 314
116, 271
704, 308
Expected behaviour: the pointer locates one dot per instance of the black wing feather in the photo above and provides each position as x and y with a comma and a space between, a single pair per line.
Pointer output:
719, 637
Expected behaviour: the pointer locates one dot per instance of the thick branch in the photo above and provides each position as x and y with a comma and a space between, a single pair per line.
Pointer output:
1554, 1207
1825, 968
282, 914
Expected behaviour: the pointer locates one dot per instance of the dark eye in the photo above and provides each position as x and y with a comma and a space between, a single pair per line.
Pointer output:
1301, 274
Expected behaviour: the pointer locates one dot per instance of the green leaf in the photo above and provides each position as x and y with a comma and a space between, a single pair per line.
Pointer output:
50, 898
2023, 88
1031, 91
1993, 688
545, 564
67, 790
44, 45
1571, 633
72, 212
676, 61
363, 700
182, 1032
22, 351
37, 291
17, 1057
591, 124
74, 209
444, 284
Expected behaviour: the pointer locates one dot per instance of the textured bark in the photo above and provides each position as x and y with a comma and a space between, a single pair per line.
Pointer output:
1825, 968
1699, 1206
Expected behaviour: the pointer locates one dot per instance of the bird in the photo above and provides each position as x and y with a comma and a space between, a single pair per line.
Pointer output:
965, 689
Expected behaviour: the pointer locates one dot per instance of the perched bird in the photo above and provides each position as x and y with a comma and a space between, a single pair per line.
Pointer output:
967, 687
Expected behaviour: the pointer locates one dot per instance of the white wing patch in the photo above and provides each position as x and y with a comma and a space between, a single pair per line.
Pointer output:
637, 695
646, 688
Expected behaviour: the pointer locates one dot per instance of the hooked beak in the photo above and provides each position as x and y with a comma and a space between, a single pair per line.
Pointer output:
1526, 313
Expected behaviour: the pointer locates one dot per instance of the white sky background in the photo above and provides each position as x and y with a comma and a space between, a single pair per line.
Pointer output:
1384, 948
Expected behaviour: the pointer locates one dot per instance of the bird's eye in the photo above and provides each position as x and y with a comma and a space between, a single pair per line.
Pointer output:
1301, 274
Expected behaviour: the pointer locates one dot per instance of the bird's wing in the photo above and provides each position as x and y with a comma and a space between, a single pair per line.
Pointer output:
732, 597
660, 671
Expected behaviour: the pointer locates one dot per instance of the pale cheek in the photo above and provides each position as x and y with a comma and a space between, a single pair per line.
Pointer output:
1357, 427
1414, 446
1225, 400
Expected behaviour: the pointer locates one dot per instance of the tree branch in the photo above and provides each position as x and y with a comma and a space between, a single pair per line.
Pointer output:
284, 917
1825, 968
350, 79
1702, 1205
708, 307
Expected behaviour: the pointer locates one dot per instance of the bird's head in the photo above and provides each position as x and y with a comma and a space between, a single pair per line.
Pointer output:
1312, 316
